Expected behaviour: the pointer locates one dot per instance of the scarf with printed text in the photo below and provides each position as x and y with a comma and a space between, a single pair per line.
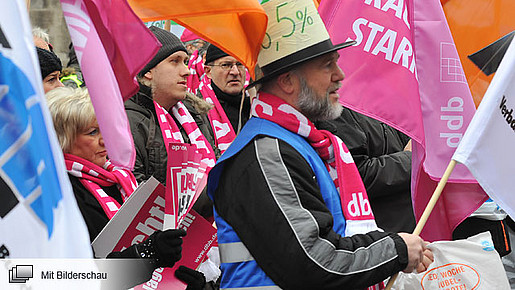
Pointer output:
93, 177
222, 128
172, 134
331, 149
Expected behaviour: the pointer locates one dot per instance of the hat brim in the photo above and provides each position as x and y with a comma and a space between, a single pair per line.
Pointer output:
287, 63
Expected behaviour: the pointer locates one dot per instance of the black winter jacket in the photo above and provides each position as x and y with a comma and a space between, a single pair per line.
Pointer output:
151, 155
267, 183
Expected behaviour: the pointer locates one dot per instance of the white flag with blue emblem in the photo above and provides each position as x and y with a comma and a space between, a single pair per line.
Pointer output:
39, 216
487, 148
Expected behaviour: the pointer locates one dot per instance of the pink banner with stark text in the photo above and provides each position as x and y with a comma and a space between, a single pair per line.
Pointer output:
405, 71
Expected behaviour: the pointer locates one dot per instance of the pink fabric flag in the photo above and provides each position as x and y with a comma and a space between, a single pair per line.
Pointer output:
112, 46
405, 71
447, 109
380, 70
188, 35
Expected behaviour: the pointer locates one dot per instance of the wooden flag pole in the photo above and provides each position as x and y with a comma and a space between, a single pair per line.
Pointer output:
28, 4
168, 25
429, 208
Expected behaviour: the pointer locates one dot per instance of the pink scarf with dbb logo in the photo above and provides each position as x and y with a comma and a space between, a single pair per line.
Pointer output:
337, 158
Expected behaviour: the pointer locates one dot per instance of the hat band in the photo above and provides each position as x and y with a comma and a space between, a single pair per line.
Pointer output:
303, 54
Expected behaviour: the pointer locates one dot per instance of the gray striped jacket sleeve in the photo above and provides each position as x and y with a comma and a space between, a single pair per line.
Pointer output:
269, 195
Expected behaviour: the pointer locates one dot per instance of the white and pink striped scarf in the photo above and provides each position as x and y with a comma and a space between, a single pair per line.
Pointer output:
172, 134
93, 177
337, 158
222, 128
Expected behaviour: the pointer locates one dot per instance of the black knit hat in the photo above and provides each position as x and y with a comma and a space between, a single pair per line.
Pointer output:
48, 62
213, 53
171, 44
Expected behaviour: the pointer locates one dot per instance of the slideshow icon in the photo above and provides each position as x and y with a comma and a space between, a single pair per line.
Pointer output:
20, 273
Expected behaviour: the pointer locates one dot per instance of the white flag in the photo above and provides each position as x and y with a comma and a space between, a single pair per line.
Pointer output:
488, 146
39, 216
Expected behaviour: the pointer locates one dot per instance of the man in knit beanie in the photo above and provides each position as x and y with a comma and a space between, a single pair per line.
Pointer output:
161, 114
224, 87
155, 120
162, 87
51, 68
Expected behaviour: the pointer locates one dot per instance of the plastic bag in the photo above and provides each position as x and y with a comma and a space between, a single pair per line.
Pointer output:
459, 265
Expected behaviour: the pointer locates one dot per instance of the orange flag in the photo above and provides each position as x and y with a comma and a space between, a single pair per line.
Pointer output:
475, 24
236, 26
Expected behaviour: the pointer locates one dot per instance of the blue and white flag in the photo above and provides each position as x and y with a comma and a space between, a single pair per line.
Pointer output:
488, 146
39, 216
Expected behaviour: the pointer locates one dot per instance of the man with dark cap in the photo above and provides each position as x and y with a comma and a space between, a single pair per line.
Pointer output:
290, 207
222, 86
158, 114
51, 68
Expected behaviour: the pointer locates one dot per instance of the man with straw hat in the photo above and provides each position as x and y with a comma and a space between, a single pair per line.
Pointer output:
291, 209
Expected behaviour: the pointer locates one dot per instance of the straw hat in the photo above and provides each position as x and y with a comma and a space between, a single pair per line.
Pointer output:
295, 33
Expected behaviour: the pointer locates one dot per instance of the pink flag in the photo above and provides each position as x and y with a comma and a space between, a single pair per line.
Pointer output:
188, 35
405, 71
112, 46
380, 69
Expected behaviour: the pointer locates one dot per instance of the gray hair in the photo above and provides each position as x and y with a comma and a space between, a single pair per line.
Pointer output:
313, 106
41, 33
202, 50
72, 113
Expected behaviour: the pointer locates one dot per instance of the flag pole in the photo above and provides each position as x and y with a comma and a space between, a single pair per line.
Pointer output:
429, 208
168, 25
28, 4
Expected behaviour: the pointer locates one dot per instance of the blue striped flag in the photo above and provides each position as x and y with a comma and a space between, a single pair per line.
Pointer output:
39, 216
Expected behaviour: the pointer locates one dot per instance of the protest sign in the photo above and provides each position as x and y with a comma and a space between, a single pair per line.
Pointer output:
139, 217
186, 178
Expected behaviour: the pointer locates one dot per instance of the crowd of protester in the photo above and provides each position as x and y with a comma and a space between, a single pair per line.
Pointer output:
275, 190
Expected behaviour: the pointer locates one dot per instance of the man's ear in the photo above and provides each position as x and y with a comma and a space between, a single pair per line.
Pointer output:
207, 71
148, 75
287, 82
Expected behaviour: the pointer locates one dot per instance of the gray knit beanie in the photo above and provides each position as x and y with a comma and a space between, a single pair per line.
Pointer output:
171, 44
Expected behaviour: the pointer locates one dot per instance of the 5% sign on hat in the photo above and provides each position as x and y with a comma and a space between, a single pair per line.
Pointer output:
292, 26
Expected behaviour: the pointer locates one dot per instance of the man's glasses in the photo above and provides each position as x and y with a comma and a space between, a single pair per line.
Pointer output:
227, 66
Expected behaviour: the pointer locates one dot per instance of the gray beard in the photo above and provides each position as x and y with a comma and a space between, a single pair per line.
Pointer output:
316, 108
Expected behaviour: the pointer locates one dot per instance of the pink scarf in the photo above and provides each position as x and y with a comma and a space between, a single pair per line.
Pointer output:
196, 66
172, 134
337, 158
222, 128
93, 177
